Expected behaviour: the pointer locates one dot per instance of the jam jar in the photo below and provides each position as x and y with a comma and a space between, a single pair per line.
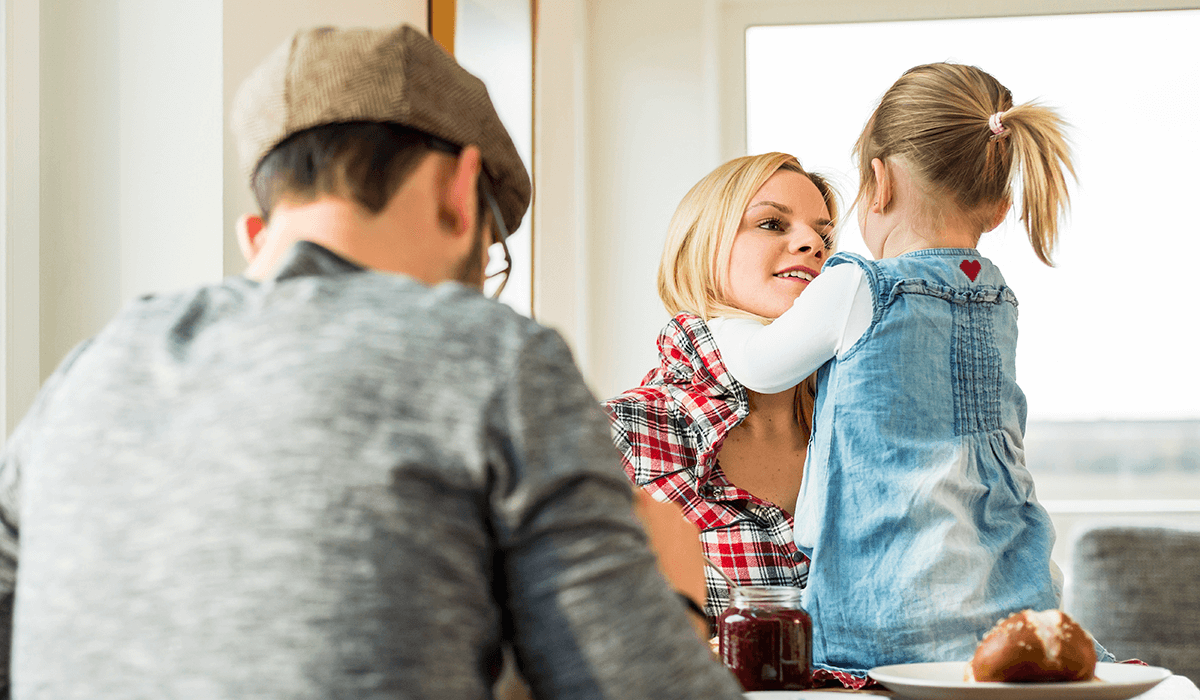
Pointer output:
766, 638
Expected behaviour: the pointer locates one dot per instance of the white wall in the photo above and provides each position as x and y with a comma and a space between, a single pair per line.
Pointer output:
652, 123
134, 173
561, 275
626, 115
19, 152
130, 158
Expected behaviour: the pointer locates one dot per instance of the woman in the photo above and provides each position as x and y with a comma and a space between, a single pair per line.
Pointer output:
745, 241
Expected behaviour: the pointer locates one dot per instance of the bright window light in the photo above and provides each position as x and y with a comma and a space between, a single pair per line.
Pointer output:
494, 42
1111, 333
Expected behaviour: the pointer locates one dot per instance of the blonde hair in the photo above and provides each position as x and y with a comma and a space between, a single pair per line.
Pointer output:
935, 119
695, 259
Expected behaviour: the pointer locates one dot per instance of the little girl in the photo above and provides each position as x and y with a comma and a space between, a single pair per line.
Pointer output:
916, 507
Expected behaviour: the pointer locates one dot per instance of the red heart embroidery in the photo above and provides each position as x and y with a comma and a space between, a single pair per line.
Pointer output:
971, 268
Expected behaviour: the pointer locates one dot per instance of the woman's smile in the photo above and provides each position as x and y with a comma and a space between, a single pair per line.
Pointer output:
785, 236
799, 273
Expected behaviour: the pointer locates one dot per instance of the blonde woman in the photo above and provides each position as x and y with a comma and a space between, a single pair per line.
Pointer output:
744, 242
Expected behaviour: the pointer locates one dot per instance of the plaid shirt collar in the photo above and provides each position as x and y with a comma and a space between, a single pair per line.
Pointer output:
713, 401
689, 357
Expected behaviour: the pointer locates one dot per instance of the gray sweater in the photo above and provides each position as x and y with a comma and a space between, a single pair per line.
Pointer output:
332, 484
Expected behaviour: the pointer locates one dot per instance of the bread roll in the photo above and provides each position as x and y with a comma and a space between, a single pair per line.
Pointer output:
1034, 647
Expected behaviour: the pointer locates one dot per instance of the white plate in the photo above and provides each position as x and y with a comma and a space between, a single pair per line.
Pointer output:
943, 681
807, 694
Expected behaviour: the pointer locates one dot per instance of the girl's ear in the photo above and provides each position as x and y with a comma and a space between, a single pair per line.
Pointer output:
882, 195
1001, 212
249, 226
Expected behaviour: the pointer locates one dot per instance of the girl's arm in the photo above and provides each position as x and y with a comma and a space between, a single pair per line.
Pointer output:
830, 316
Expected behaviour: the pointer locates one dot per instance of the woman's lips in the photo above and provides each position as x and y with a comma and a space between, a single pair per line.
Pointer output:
799, 272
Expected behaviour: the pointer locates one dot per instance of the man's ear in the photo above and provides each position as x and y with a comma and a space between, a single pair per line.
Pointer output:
249, 226
883, 186
458, 208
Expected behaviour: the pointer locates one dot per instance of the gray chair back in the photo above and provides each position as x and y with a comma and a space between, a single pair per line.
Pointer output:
1136, 588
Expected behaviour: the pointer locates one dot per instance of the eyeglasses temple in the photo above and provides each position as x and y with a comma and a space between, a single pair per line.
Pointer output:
501, 235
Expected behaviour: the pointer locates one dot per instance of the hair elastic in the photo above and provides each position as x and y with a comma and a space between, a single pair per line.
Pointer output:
995, 125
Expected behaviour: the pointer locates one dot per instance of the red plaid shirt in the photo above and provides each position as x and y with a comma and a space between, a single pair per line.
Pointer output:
669, 431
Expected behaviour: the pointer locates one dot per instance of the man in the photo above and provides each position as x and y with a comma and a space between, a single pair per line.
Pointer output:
346, 473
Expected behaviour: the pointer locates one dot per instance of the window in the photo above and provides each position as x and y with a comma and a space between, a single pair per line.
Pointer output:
494, 40
1108, 340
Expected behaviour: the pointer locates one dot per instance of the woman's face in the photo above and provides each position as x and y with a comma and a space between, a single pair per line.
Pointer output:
783, 240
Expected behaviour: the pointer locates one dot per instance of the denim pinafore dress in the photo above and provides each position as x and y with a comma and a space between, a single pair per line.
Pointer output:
916, 507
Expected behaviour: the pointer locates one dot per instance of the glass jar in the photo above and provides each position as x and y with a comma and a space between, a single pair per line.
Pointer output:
766, 638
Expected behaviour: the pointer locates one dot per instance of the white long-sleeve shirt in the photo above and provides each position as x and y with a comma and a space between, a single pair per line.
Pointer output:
825, 321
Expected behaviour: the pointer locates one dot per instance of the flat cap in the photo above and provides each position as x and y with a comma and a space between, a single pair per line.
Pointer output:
398, 75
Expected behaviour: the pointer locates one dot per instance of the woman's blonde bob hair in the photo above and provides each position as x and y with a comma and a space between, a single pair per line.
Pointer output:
695, 259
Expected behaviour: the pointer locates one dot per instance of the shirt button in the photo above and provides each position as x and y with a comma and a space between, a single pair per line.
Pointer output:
797, 556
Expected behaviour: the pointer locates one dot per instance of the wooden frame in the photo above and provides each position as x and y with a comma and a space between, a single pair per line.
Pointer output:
442, 21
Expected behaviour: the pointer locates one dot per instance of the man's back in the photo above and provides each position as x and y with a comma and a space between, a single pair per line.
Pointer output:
329, 484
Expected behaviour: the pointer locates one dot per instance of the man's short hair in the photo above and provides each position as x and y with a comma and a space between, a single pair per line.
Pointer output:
365, 162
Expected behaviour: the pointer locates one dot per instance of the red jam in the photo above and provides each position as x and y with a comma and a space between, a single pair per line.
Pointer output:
767, 644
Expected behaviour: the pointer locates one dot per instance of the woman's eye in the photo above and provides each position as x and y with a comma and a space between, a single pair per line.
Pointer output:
771, 225
828, 238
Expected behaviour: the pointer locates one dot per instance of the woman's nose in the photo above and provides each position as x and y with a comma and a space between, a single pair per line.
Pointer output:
806, 240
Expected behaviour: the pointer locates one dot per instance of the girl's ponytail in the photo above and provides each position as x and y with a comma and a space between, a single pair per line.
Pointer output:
1040, 151
956, 128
